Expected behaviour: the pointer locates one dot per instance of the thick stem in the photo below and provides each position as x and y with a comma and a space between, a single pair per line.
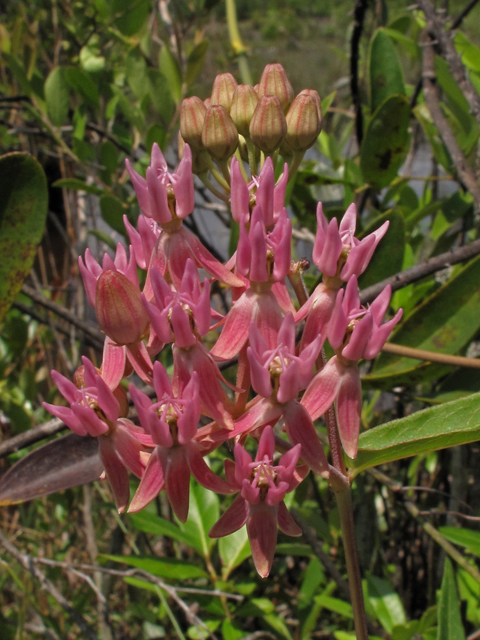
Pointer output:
345, 510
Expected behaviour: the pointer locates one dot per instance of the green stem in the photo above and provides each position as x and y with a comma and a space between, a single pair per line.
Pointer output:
220, 179
343, 495
252, 163
296, 161
242, 168
223, 166
214, 190
238, 47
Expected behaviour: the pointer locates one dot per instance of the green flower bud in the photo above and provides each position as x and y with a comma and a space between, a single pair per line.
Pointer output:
303, 123
219, 135
243, 106
268, 126
223, 89
192, 118
274, 82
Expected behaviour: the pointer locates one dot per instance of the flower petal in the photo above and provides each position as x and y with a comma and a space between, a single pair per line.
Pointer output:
177, 481
349, 407
262, 533
300, 430
286, 523
116, 472
151, 483
233, 519
204, 475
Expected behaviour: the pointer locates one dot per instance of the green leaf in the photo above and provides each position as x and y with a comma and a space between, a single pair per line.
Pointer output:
160, 95
103, 237
23, 212
195, 61
465, 537
314, 577
150, 523
335, 604
156, 133
64, 463
446, 425
133, 19
81, 82
78, 185
407, 43
470, 52
168, 65
161, 567
445, 322
233, 550
203, 513
388, 257
112, 212
386, 603
386, 142
449, 621
136, 68
293, 549
386, 78
230, 631
56, 96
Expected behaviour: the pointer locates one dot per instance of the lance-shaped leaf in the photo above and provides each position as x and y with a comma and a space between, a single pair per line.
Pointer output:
448, 614
386, 77
61, 464
446, 425
23, 211
386, 142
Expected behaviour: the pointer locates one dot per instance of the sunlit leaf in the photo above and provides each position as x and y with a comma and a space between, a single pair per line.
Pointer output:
233, 550
449, 621
386, 603
161, 567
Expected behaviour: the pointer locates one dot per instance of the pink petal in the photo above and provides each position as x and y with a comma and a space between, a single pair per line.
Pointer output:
184, 188
233, 519
116, 473
140, 360
300, 430
380, 305
260, 375
237, 324
141, 189
151, 483
65, 386
322, 390
89, 418
320, 236
289, 383
261, 413
209, 262
286, 523
157, 194
357, 258
349, 221
66, 415
262, 533
280, 291
380, 336
182, 329
331, 251
128, 449
361, 334
338, 322
265, 192
268, 318
177, 481
113, 363
106, 400
258, 262
349, 407
319, 315
351, 300
204, 475
279, 193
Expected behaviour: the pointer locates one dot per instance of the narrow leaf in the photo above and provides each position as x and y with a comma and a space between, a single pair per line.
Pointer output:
150, 523
64, 463
449, 621
161, 567
56, 96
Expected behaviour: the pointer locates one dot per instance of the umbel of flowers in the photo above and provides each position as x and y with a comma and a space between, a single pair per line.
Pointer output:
280, 379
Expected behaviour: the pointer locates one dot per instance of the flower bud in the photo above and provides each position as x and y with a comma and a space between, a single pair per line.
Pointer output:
316, 97
192, 118
119, 309
303, 123
223, 89
219, 135
180, 145
268, 126
243, 106
274, 82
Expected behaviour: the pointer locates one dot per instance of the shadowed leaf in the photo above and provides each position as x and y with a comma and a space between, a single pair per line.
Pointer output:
386, 78
23, 211
62, 464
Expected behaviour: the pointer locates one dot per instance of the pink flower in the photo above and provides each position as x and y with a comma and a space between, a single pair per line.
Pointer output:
261, 191
355, 333
172, 423
95, 411
168, 198
263, 486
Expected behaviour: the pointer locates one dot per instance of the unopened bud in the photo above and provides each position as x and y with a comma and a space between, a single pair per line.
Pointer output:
243, 106
192, 118
316, 97
79, 377
207, 102
223, 89
268, 126
274, 82
219, 135
303, 123
119, 309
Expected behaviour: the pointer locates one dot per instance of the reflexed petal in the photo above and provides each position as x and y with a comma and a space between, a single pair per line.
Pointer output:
261, 413
128, 449
268, 318
204, 475
89, 418
280, 291
140, 360
349, 407
65, 386
262, 533
113, 363
151, 482
319, 315
322, 390
209, 262
68, 417
116, 472
286, 523
300, 430
233, 519
237, 324
177, 481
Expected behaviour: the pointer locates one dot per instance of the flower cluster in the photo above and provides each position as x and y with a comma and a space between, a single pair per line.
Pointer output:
281, 375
